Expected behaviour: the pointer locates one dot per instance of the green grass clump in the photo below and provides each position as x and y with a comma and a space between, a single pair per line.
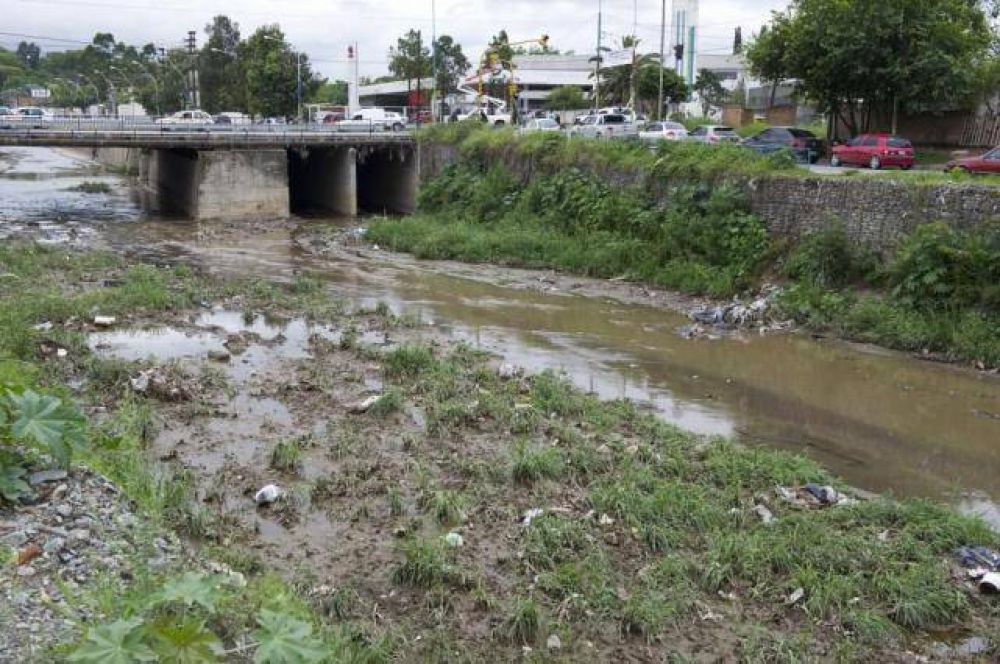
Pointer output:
408, 361
446, 506
90, 187
552, 539
524, 623
425, 565
530, 464
286, 456
390, 402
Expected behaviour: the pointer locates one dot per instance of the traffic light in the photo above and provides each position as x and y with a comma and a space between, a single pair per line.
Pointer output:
350, 52
679, 52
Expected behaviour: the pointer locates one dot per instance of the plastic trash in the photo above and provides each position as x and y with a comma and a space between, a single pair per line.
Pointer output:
364, 405
269, 494
990, 583
507, 371
104, 321
765, 514
978, 556
826, 495
708, 316
796, 596
454, 540
531, 515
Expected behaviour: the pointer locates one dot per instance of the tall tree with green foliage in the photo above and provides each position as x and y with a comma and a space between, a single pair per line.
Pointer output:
219, 67
268, 64
860, 57
711, 93
452, 64
29, 53
410, 58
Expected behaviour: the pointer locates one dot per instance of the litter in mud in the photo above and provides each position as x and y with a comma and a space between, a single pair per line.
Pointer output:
104, 321
454, 540
814, 495
990, 583
363, 406
219, 355
269, 494
161, 384
978, 556
796, 596
531, 515
765, 514
507, 371
49, 349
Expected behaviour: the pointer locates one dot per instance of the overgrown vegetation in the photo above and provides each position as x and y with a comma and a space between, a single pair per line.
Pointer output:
589, 208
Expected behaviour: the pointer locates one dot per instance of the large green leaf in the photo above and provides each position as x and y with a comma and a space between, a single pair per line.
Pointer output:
12, 486
119, 642
283, 639
46, 421
187, 642
191, 589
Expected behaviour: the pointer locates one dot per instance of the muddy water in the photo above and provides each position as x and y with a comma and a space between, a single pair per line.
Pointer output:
883, 421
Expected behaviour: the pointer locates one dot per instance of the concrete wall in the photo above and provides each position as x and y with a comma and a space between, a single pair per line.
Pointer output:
876, 211
242, 184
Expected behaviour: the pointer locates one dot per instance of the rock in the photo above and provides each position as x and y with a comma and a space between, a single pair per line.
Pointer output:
454, 540
14, 539
80, 535
219, 355
765, 514
28, 553
54, 545
796, 596
104, 321
531, 515
43, 476
553, 642
269, 494
364, 405
507, 371
64, 510
25, 570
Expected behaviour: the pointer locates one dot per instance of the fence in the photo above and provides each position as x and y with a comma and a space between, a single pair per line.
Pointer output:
981, 131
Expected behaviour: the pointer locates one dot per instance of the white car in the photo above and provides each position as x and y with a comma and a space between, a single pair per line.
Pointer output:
194, 117
30, 116
541, 124
373, 119
663, 131
605, 125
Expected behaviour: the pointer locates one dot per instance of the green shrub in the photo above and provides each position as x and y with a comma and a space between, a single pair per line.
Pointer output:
828, 258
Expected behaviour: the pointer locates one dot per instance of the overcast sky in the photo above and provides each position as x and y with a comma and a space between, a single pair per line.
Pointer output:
324, 28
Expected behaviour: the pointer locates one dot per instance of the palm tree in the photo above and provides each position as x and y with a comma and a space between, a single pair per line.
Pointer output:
619, 84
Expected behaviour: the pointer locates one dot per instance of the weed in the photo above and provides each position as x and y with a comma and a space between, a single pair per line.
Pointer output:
286, 456
90, 187
397, 507
530, 464
446, 506
524, 623
390, 402
424, 564
552, 539
408, 361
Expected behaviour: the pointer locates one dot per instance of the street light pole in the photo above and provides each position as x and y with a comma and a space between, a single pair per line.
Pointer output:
112, 97
663, 37
298, 85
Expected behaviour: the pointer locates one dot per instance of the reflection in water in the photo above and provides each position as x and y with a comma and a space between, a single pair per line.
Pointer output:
881, 420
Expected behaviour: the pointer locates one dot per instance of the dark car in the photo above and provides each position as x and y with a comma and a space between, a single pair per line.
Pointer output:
875, 151
984, 163
803, 145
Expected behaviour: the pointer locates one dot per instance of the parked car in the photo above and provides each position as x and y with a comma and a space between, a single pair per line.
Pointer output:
233, 119
30, 116
663, 131
874, 151
543, 124
607, 125
334, 118
984, 163
377, 119
492, 117
190, 118
714, 134
803, 145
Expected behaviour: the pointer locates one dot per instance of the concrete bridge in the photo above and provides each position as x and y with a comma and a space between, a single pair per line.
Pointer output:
253, 172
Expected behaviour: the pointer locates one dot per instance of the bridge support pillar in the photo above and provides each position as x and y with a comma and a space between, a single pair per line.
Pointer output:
324, 180
388, 179
216, 184
242, 184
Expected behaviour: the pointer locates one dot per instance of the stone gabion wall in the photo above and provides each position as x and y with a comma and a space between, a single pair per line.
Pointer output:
875, 211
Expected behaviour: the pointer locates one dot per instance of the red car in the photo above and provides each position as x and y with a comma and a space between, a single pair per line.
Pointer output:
985, 163
874, 151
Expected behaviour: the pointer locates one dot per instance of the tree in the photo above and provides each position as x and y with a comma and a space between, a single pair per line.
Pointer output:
219, 67
452, 64
269, 68
29, 54
859, 57
330, 92
675, 89
410, 59
767, 55
566, 98
712, 94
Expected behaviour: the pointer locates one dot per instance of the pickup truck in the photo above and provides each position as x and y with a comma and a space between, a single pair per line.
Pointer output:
373, 119
608, 125
496, 118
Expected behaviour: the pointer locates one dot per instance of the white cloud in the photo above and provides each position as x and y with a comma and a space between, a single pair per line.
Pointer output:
324, 28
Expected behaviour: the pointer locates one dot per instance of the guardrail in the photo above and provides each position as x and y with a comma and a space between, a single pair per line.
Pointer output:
148, 124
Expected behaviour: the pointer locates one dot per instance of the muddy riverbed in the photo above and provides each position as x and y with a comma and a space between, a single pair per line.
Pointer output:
883, 421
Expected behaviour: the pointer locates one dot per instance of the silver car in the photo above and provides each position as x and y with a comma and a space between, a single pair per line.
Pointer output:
714, 135
540, 124
663, 131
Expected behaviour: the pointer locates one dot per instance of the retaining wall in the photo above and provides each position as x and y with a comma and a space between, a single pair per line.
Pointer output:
875, 210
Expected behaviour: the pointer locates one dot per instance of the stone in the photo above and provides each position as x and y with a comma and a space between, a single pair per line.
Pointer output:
64, 510
54, 545
364, 405
14, 539
43, 476
219, 355
79, 535
25, 571
553, 642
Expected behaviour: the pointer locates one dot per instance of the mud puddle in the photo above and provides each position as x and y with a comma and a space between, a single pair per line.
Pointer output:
883, 421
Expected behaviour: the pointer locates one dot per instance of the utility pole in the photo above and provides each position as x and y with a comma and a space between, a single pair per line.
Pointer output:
194, 94
420, 68
434, 61
597, 61
298, 85
663, 38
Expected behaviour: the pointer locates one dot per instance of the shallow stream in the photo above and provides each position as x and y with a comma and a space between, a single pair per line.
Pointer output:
884, 421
